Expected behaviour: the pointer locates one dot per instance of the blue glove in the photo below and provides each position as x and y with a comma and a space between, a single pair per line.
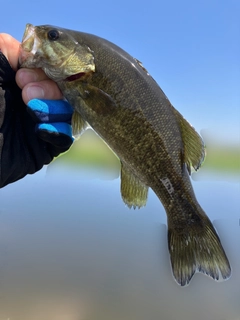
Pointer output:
53, 121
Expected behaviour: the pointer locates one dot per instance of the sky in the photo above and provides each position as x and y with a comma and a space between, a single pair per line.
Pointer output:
191, 48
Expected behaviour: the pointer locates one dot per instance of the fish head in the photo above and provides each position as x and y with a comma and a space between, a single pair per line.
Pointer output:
55, 51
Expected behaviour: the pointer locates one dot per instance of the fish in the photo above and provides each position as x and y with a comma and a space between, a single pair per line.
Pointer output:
112, 93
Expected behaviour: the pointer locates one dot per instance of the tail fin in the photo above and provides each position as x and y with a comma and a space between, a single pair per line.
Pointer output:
196, 247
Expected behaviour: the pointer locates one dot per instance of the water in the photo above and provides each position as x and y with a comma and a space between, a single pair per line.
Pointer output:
71, 250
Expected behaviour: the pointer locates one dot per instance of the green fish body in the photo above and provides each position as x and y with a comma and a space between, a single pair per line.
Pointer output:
113, 94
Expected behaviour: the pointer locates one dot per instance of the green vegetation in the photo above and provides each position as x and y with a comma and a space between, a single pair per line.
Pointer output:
223, 158
90, 150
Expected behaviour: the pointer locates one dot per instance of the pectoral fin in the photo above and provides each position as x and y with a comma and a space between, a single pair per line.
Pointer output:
194, 148
98, 100
134, 192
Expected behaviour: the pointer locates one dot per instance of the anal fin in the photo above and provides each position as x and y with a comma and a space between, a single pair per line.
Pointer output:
134, 192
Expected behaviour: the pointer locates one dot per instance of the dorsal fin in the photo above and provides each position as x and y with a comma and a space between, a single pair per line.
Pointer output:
194, 147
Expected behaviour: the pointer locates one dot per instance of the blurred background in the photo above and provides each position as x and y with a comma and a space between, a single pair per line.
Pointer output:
69, 248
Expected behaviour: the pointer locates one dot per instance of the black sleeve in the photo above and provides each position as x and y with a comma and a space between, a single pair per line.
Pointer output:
21, 151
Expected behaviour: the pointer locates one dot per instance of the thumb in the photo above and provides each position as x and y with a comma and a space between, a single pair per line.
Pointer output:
10, 48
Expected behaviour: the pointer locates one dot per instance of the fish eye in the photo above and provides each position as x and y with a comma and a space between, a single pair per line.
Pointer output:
53, 35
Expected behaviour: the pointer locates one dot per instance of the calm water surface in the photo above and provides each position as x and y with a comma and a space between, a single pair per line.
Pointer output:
71, 250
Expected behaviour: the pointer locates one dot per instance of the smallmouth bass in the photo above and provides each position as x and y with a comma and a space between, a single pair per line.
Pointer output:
112, 93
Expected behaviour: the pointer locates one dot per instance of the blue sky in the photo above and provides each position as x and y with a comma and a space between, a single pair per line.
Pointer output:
192, 49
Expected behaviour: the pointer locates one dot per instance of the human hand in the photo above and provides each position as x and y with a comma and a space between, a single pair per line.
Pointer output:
22, 152
36, 85
46, 105
10, 48
33, 82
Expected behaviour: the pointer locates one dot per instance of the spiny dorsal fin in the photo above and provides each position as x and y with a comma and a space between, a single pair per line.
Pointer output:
141, 65
194, 148
134, 192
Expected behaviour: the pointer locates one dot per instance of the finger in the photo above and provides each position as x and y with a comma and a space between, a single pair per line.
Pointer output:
57, 134
46, 89
48, 111
56, 128
10, 48
25, 76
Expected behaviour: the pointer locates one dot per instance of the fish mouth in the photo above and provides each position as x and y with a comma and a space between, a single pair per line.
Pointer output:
58, 60
29, 46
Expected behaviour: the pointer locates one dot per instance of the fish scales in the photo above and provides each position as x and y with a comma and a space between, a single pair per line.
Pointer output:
129, 85
113, 94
